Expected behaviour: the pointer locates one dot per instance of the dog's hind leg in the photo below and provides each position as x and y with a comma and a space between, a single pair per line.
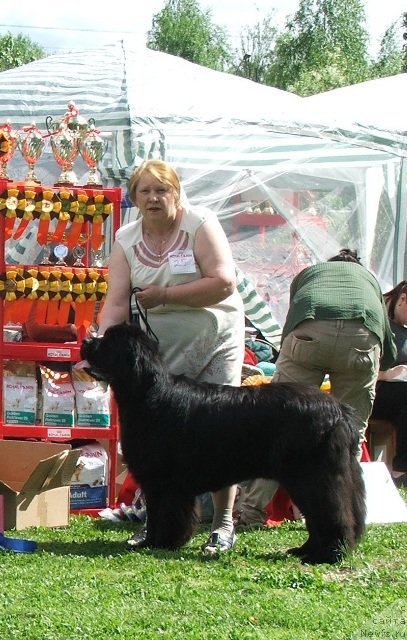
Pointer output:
172, 517
326, 503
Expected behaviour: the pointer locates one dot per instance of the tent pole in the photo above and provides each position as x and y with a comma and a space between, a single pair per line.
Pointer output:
400, 233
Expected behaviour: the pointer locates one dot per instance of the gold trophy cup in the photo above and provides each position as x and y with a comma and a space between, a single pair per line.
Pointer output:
31, 144
8, 143
92, 149
65, 136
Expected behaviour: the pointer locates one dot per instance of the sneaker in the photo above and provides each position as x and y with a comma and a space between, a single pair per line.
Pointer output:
400, 480
218, 543
138, 539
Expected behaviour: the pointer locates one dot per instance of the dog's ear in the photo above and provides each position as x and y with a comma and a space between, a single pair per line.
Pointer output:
136, 332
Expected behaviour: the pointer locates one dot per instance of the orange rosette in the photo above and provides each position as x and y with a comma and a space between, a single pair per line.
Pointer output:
54, 295
78, 294
31, 198
49, 206
102, 207
95, 292
90, 297
24, 304
13, 202
78, 219
69, 207
12, 286
42, 294
66, 296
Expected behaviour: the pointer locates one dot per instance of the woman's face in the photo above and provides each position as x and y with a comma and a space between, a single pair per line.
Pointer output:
400, 311
155, 199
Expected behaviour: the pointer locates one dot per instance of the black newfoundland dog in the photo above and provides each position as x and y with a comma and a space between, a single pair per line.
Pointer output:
181, 438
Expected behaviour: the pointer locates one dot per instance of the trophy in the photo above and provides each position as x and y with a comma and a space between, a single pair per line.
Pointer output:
60, 252
92, 149
8, 143
98, 254
65, 137
79, 251
46, 256
64, 145
31, 144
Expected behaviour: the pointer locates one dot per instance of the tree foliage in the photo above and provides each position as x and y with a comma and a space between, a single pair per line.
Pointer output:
324, 46
390, 59
18, 50
183, 29
405, 42
256, 51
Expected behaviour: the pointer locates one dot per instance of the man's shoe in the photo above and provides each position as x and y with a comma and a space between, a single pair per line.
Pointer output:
400, 480
218, 543
138, 540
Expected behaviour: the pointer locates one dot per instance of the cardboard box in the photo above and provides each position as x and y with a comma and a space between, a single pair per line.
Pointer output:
34, 481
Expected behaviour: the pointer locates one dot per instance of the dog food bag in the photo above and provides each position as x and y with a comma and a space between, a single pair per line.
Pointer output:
92, 465
89, 481
19, 392
58, 398
92, 400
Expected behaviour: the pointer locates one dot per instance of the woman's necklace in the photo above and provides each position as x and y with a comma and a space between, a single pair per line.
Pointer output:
159, 245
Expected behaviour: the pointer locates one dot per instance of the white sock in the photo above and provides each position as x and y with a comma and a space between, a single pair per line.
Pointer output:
223, 521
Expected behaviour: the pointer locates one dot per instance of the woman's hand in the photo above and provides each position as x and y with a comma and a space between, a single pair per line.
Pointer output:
152, 296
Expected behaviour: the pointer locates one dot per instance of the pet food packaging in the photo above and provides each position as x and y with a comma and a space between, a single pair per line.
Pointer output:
92, 400
19, 392
58, 398
90, 477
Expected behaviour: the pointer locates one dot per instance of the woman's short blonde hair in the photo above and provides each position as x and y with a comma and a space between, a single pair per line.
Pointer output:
161, 170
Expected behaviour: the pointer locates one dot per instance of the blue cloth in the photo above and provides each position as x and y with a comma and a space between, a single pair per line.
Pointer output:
17, 544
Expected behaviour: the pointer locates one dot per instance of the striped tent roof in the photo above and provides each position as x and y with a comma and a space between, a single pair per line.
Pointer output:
237, 145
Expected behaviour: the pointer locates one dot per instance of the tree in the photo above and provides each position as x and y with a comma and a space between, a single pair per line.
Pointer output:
390, 59
405, 42
18, 50
324, 46
256, 51
183, 29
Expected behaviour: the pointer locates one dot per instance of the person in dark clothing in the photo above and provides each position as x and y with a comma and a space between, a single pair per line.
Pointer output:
391, 390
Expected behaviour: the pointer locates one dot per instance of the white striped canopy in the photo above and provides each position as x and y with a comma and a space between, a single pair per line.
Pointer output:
242, 149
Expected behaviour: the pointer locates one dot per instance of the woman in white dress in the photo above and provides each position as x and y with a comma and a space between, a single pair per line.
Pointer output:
179, 258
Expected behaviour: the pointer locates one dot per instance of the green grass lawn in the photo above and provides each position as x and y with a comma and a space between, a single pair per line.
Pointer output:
83, 584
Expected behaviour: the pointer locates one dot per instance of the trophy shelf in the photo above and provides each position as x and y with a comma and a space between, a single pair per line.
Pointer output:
102, 204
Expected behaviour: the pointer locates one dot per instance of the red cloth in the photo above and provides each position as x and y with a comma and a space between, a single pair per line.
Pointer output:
250, 357
127, 491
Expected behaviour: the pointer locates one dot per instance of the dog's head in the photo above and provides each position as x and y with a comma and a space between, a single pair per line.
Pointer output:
120, 354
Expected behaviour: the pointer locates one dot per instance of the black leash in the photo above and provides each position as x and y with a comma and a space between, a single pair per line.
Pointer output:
135, 315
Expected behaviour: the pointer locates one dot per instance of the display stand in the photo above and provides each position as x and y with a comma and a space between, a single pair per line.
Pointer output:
86, 211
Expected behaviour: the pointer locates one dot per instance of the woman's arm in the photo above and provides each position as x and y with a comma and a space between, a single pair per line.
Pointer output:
116, 306
213, 255
398, 371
